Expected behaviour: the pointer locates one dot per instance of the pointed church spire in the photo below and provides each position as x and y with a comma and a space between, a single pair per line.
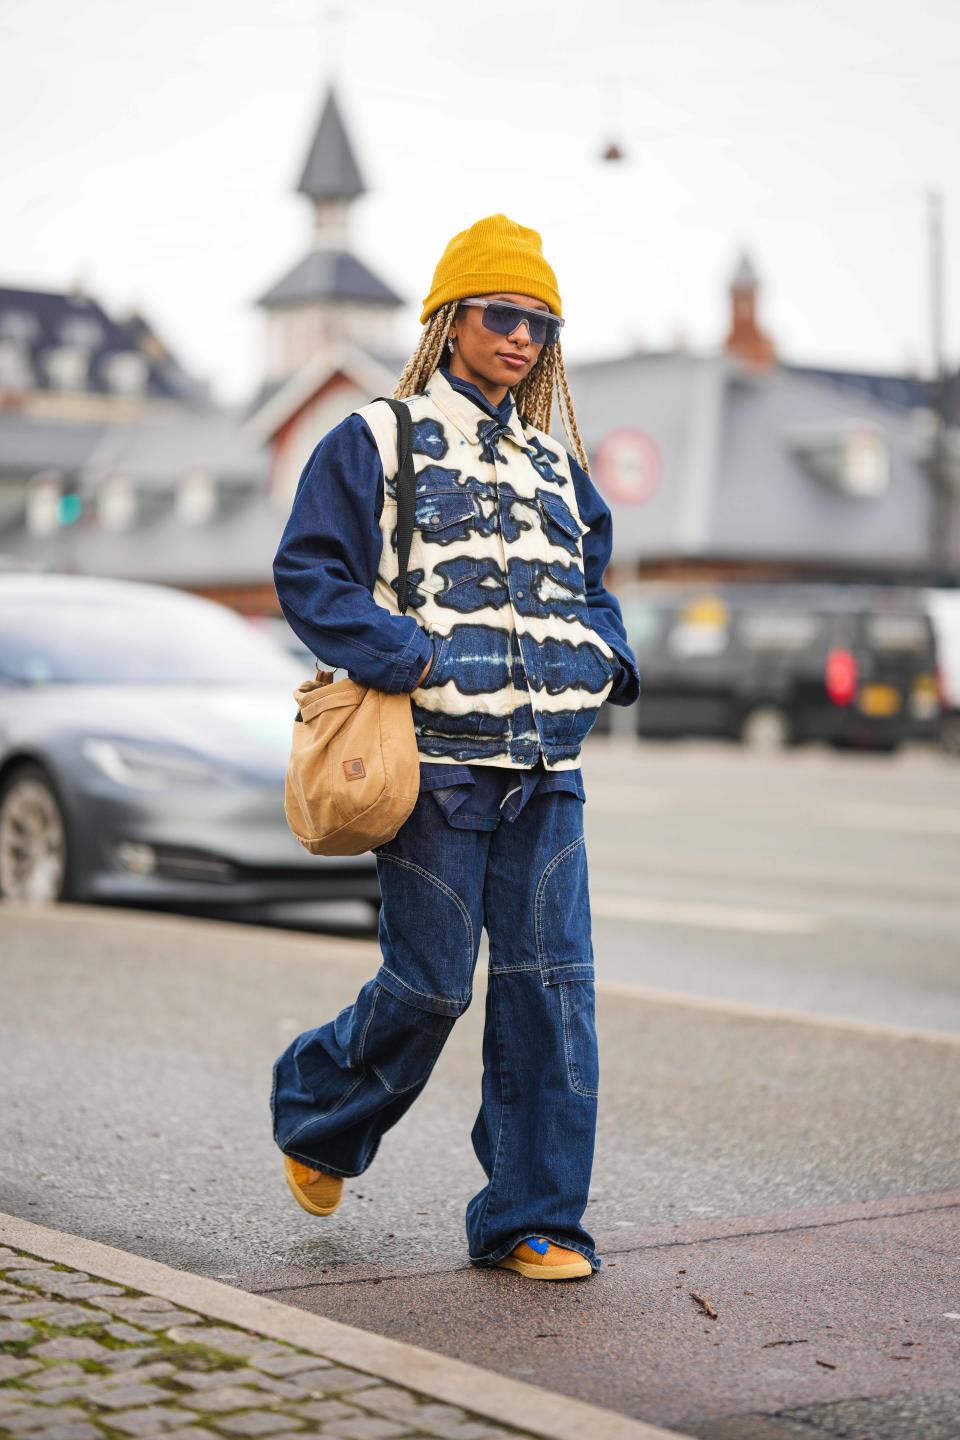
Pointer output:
331, 171
745, 338
330, 293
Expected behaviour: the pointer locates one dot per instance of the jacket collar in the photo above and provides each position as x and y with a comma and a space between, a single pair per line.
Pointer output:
467, 416
466, 387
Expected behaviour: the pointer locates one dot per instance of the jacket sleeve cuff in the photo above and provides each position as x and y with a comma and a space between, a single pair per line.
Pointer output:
626, 687
410, 662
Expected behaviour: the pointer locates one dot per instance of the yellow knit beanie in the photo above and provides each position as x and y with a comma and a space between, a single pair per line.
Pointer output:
494, 254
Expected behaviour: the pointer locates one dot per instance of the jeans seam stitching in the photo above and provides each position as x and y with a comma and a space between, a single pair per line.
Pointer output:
424, 994
363, 1034
322, 1115
440, 1041
568, 849
391, 1089
496, 1149
447, 890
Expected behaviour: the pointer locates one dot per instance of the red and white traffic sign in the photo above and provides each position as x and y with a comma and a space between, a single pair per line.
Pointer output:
626, 466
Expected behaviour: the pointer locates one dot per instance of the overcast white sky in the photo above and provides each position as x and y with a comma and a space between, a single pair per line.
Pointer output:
154, 149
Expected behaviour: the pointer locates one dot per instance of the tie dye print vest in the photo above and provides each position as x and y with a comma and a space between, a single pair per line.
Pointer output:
496, 568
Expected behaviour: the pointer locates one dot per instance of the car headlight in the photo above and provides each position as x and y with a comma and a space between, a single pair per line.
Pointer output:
152, 767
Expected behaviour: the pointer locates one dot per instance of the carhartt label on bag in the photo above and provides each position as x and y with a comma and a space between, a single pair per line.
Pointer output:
353, 769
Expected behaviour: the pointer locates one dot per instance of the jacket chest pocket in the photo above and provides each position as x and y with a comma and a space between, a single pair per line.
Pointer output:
562, 529
444, 539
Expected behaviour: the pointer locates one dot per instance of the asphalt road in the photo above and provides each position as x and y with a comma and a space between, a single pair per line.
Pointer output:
817, 881
804, 1177
814, 882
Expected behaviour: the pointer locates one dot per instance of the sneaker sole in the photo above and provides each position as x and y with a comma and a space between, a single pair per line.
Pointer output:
573, 1270
302, 1200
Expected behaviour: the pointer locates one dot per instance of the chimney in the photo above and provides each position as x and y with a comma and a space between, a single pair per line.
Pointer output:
746, 340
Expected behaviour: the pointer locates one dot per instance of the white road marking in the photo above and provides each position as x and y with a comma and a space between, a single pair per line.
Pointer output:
869, 815
842, 815
724, 1006
704, 916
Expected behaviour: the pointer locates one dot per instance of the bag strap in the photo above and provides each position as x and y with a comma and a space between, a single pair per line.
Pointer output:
406, 493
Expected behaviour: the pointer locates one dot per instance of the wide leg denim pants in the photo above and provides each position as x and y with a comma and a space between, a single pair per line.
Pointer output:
337, 1089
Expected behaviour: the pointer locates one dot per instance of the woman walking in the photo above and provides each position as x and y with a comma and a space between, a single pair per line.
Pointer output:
510, 645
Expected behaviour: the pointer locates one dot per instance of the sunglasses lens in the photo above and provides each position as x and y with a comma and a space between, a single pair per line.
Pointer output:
504, 319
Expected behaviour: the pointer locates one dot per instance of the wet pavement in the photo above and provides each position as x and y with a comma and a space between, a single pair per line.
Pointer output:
804, 1175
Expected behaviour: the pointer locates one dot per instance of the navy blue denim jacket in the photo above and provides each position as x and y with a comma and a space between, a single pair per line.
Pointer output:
329, 555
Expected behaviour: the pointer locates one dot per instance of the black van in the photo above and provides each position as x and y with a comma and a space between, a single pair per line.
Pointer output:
776, 664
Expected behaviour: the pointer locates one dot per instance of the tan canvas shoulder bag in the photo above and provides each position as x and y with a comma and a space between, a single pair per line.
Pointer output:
354, 771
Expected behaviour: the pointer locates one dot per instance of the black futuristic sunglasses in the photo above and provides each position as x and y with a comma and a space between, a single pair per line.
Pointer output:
503, 317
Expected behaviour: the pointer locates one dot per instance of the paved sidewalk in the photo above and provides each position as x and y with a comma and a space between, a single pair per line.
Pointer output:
84, 1358
804, 1178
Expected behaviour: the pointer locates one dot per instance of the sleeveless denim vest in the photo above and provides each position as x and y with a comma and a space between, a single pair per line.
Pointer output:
496, 576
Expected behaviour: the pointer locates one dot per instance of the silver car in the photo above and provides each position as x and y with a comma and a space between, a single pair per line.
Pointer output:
144, 735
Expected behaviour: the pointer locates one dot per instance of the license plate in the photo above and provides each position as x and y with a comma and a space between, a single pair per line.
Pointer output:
879, 700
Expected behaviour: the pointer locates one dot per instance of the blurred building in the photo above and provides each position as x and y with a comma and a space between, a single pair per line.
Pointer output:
740, 463
114, 461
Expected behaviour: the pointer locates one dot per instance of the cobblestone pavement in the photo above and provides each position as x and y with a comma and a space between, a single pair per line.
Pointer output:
81, 1359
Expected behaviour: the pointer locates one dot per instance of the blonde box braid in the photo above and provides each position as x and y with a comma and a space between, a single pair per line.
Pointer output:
533, 396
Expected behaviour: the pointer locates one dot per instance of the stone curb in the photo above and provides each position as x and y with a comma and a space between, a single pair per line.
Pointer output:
510, 1402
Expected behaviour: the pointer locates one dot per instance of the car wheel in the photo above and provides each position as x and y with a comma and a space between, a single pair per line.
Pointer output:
33, 839
766, 729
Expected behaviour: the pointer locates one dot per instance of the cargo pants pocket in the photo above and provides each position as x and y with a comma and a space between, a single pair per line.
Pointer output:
565, 957
578, 1013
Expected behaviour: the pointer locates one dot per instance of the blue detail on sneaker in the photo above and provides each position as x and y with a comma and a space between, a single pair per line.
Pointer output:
539, 1244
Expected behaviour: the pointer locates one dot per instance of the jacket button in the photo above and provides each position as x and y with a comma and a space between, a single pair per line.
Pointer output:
519, 594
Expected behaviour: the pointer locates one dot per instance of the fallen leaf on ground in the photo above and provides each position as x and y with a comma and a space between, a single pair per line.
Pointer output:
771, 1343
703, 1303
827, 1364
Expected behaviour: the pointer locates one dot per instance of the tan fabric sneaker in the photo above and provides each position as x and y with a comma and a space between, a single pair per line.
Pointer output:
540, 1259
316, 1191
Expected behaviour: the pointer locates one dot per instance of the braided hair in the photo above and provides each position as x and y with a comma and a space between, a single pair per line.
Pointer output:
533, 396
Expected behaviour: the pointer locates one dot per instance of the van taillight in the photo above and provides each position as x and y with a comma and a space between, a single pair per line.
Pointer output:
841, 676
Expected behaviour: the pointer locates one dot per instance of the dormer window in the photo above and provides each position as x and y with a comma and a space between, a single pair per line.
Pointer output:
116, 503
126, 372
196, 499
18, 325
852, 457
66, 367
43, 502
16, 372
866, 462
83, 331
